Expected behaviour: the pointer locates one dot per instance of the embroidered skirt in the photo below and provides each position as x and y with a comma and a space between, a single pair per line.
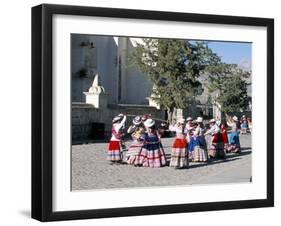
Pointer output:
133, 152
200, 154
151, 155
114, 151
179, 155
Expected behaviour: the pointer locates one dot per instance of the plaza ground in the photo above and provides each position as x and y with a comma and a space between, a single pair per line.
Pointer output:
91, 170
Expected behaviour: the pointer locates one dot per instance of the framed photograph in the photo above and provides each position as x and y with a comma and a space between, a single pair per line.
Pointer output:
146, 112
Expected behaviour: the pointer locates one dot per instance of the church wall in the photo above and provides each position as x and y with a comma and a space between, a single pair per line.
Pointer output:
138, 85
104, 60
101, 59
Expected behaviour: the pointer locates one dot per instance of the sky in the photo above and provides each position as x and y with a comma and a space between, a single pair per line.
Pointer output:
232, 52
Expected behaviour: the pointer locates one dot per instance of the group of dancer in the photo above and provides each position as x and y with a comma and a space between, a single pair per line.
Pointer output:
192, 141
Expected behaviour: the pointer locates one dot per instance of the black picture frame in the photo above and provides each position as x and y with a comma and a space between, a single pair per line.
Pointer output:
42, 111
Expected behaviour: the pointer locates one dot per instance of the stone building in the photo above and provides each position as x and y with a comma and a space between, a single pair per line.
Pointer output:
104, 86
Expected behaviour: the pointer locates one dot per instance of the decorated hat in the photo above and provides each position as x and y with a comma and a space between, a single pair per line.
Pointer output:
199, 119
117, 118
149, 123
137, 120
189, 119
235, 118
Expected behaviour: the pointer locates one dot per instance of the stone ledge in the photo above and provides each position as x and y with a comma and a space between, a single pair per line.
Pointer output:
133, 106
82, 105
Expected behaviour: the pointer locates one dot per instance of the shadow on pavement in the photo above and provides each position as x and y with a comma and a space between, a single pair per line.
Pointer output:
212, 161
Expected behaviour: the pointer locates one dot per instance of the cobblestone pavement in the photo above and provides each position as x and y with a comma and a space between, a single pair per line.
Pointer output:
91, 170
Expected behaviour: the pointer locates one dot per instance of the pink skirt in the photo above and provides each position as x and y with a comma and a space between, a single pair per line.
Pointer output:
151, 158
133, 152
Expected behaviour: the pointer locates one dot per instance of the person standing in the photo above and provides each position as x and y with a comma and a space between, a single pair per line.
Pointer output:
199, 153
114, 149
179, 155
234, 141
137, 132
152, 153
188, 128
244, 124
224, 133
216, 147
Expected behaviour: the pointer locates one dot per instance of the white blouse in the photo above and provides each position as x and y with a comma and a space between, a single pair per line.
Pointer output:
213, 130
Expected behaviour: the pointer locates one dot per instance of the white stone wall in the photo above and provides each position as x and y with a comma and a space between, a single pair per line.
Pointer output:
103, 59
138, 87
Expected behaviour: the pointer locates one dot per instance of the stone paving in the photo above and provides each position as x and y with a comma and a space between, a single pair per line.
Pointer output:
91, 170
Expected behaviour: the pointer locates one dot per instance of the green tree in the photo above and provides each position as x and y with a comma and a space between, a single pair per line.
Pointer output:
229, 83
174, 67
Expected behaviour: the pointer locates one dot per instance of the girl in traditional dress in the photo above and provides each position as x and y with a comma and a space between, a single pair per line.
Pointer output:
188, 128
114, 148
199, 154
216, 147
152, 153
179, 155
191, 141
138, 134
234, 142
224, 133
244, 125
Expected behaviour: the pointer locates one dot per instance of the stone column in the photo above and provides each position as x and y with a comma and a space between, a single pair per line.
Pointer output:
96, 95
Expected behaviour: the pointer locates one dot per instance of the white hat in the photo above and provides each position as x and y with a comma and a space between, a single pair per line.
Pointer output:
181, 121
116, 119
235, 118
212, 121
149, 123
199, 119
189, 119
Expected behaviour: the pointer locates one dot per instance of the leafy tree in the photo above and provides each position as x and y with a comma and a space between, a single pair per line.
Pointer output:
174, 67
230, 85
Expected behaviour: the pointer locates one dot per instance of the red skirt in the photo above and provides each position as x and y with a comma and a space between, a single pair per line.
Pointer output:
180, 143
114, 153
217, 138
225, 137
114, 145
